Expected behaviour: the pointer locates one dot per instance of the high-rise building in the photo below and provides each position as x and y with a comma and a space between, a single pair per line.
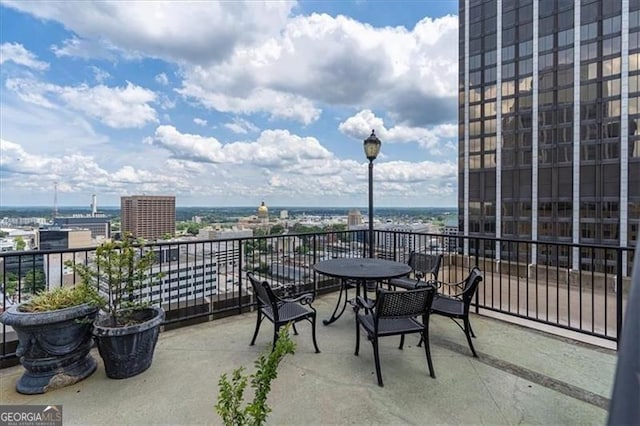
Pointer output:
148, 216
548, 108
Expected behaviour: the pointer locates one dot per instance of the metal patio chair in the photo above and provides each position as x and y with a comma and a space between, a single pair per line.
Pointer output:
395, 313
281, 311
456, 306
424, 267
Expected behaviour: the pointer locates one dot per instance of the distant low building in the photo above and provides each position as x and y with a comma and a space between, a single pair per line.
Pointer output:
99, 225
210, 233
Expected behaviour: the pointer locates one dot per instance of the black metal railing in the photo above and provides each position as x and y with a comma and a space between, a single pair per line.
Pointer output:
577, 287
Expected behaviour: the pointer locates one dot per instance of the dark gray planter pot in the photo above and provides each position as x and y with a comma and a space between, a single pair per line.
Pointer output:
53, 346
128, 351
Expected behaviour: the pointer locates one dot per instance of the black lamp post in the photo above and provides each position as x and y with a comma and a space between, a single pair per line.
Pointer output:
371, 150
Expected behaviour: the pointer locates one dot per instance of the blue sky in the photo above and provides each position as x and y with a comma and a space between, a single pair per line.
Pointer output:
228, 103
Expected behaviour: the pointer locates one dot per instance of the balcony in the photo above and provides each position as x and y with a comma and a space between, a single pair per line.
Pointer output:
521, 376
548, 318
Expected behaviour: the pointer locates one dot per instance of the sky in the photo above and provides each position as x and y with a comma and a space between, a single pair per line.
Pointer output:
228, 103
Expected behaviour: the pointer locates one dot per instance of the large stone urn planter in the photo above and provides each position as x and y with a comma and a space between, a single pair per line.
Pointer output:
128, 350
53, 346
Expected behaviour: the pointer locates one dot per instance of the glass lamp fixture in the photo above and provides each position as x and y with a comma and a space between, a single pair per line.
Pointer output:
372, 146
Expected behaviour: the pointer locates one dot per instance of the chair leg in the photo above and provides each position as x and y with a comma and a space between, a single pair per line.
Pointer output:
376, 357
471, 329
313, 333
467, 332
427, 350
295, 330
421, 340
401, 342
258, 322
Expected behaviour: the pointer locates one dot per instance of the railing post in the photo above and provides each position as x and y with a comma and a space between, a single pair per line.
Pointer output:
619, 290
315, 257
240, 283
477, 256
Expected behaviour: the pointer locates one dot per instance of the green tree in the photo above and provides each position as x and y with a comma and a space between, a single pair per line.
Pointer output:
303, 249
10, 281
263, 268
193, 228
276, 230
34, 281
20, 243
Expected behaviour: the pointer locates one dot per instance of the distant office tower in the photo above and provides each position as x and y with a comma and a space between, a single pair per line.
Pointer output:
354, 218
548, 108
148, 216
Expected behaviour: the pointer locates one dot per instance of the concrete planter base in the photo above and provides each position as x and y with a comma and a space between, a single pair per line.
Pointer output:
53, 346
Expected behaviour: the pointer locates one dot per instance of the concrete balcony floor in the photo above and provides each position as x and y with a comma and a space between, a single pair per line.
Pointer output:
521, 377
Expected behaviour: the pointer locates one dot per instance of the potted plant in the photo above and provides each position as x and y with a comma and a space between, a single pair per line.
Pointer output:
54, 337
126, 330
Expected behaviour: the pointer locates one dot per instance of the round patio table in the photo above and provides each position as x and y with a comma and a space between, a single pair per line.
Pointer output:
358, 270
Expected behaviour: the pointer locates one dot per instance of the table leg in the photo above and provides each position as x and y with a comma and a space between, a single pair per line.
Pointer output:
335, 315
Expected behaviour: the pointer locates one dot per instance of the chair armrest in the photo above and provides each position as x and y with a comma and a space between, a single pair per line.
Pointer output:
428, 283
367, 304
459, 286
304, 299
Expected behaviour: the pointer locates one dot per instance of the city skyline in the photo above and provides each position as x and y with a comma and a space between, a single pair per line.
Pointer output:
229, 103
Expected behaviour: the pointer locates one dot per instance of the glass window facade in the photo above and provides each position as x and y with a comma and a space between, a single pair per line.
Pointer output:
587, 88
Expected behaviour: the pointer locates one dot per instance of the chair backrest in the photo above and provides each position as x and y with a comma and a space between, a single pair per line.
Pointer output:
263, 293
470, 286
425, 263
405, 303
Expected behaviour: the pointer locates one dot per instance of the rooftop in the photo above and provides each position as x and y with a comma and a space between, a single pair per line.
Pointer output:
521, 376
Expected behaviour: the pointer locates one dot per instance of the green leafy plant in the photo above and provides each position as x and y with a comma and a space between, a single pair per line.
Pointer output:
231, 393
121, 268
63, 297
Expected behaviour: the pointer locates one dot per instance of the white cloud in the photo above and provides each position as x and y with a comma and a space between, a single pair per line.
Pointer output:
253, 60
241, 126
99, 74
162, 79
319, 59
246, 57
87, 49
15, 52
118, 107
274, 148
434, 139
196, 32
277, 104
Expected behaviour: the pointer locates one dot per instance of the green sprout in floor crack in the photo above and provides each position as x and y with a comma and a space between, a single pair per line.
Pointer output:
231, 393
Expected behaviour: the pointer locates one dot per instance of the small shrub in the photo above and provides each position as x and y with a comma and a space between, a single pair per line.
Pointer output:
231, 394
63, 297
